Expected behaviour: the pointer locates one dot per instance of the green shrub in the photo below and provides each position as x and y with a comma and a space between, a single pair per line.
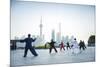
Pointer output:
42, 47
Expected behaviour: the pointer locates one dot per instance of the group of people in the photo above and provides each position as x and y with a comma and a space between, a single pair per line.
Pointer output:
74, 45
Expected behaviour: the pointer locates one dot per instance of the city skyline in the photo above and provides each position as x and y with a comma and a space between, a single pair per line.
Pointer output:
76, 20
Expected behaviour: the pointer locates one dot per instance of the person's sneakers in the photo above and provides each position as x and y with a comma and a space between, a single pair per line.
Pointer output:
36, 55
24, 56
56, 51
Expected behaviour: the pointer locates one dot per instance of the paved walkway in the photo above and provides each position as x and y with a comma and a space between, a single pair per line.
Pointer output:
54, 58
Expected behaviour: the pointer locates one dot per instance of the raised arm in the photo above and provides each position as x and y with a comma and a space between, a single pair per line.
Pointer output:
59, 44
33, 39
22, 40
46, 44
55, 42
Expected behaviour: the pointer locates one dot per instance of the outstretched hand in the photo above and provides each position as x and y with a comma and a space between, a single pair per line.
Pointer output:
35, 38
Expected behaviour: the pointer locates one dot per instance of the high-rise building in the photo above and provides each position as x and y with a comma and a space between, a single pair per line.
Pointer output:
23, 37
58, 38
53, 34
41, 26
59, 34
16, 38
67, 39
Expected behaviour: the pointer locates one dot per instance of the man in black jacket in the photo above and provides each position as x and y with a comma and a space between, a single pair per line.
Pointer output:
52, 46
28, 42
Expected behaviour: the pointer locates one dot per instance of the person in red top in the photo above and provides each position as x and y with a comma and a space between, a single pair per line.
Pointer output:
62, 46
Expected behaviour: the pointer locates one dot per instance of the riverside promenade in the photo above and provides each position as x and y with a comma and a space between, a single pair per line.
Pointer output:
44, 57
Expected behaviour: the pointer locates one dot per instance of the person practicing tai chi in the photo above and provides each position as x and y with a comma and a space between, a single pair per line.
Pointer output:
68, 46
75, 47
52, 46
82, 45
28, 46
61, 46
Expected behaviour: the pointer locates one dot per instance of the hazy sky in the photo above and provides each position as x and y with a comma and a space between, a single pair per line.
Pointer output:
77, 20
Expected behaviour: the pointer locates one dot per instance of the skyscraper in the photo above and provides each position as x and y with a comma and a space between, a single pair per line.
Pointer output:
58, 40
53, 34
41, 26
60, 29
59, 34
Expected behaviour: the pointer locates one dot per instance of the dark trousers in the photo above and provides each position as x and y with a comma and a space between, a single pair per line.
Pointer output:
52, 48
62, 47
82, 47
68, 47
32, 51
